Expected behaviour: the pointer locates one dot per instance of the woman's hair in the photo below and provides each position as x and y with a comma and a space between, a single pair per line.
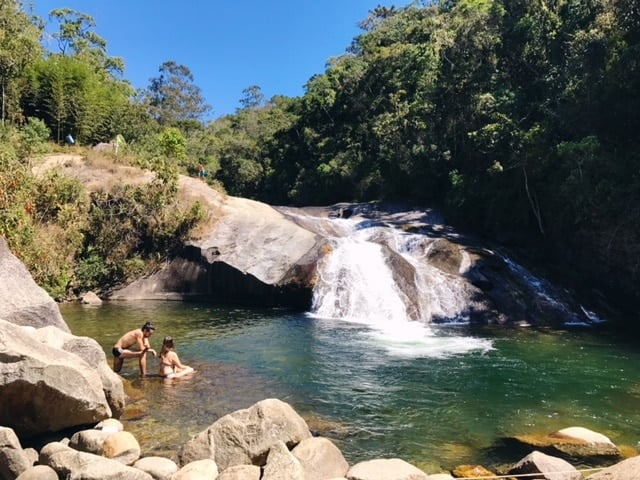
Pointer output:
167, 346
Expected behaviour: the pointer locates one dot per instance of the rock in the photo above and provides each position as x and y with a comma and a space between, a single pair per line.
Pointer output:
626, 470
13, 459
320, 458
123, 447
45, 389
245, 436
22, 301
466, 471
70, 463
572, 442
241, 472
38, 472
199, 470
159, 468
90, 298
282, 465
252, 254
385, 469
440, 476
110, 425
549, 468
90, 441
91, 352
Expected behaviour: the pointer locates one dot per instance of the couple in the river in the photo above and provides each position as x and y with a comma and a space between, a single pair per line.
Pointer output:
170, 365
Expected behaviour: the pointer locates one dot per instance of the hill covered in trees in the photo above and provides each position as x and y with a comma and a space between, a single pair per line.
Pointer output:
519, 119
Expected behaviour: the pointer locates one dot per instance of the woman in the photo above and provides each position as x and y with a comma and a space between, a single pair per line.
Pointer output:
170, 365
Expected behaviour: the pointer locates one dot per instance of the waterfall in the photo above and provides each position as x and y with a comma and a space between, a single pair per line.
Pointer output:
355, 284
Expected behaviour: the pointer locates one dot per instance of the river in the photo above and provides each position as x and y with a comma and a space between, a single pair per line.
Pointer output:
435, 395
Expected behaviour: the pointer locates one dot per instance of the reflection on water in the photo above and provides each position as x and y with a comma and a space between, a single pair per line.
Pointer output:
374, 396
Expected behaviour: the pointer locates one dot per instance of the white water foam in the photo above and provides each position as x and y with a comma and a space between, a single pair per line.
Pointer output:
356, 285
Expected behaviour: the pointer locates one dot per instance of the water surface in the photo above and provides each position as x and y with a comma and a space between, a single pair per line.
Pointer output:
435, 396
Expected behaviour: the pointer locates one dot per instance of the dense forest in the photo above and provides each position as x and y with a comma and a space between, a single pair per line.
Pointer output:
517, 118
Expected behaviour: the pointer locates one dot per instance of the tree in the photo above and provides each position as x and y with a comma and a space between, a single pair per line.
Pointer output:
19, 47
76, 37
173, 97
252, 97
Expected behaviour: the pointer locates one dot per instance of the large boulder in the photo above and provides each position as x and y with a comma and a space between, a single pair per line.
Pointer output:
45, 389
22, 301
91, 352
245, 437
251, 254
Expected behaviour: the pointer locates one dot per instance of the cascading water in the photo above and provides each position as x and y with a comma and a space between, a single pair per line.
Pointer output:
356, 284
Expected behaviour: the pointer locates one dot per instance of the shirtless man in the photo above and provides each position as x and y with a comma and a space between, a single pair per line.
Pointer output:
139, 337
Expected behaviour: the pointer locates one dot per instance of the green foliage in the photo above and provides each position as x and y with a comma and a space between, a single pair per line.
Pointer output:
34, 136
173, 144
173, 97
19, 47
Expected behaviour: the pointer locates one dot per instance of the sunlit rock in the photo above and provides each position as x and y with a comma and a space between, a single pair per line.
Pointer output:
548, 467
22, 301
66, 461
282, 464
245, 436
387, 469
320, 458
572, 442
45, 389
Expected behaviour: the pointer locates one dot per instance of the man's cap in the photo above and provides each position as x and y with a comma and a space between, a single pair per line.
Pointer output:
148, 326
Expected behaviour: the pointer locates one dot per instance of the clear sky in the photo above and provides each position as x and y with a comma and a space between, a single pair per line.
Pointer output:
228, 45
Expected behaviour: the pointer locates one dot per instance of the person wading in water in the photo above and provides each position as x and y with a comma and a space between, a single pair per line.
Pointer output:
140, 338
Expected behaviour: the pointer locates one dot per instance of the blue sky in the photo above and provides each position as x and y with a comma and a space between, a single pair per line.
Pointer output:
228, 45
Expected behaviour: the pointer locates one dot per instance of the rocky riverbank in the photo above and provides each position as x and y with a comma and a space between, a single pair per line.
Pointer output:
270, 441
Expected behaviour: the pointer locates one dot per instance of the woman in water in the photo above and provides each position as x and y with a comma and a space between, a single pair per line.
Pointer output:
170, 365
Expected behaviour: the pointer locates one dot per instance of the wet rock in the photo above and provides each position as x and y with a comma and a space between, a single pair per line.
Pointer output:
467, 471
90, 298
572, 442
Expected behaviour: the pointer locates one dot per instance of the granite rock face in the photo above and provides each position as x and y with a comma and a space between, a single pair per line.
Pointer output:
22, 301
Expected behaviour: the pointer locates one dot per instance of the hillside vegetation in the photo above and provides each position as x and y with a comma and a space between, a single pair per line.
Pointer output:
519, 119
